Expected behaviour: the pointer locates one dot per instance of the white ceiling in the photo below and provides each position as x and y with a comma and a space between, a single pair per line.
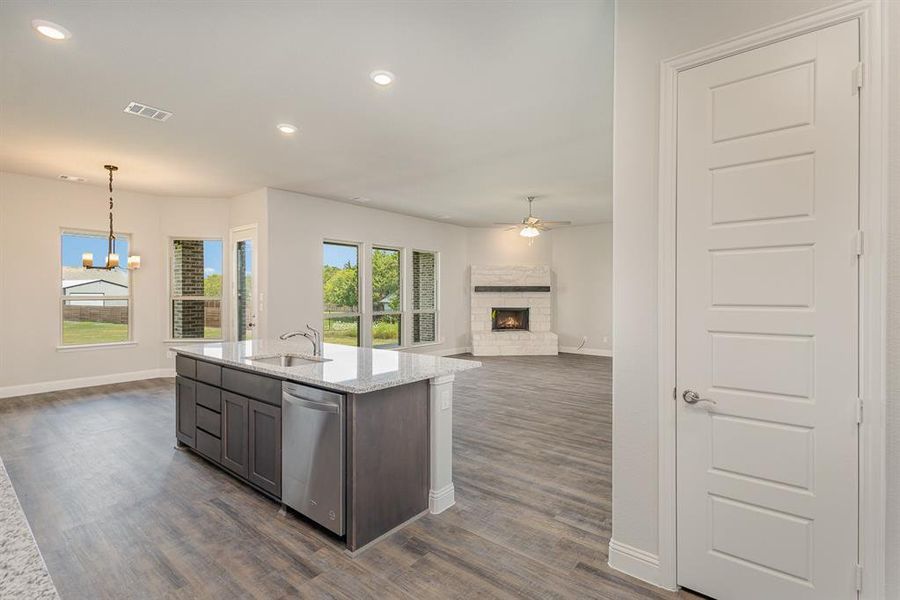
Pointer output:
493, 101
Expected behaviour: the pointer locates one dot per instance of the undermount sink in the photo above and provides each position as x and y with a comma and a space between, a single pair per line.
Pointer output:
287, 360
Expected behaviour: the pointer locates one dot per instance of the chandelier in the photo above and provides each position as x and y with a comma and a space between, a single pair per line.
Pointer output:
112, 258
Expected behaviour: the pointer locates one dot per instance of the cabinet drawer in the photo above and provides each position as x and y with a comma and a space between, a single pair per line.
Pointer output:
209, 421
209, 446
209, 396
186, 366
262, 388
209, 373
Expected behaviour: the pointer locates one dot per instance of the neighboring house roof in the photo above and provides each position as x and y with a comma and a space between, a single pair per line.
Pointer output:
70, 283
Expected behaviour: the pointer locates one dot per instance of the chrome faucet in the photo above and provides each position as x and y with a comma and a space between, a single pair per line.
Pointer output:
312, 334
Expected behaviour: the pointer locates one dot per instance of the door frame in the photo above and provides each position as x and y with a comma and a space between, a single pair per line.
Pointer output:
873, 295
235, 234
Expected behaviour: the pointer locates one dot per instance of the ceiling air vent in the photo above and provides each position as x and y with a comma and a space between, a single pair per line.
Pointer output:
148, 112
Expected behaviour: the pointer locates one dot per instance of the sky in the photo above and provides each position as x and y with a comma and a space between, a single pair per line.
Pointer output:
73, 245
337, 256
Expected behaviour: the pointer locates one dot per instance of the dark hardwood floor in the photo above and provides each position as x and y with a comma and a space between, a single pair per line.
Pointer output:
118, 513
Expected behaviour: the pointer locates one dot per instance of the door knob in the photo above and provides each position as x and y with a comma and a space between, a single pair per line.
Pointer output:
692, 397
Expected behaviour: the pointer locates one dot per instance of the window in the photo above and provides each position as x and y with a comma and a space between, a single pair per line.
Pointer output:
386, 298
196, 289
367, 306
424, 297
340, 289
95, 304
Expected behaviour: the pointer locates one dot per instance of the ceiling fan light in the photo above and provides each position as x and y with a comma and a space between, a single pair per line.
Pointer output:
530, 231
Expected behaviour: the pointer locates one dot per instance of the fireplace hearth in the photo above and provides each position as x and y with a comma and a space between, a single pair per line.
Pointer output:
509, 319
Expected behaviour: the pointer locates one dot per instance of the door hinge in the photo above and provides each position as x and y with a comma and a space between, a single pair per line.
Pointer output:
860, 242
859, 75
859, 410
674, 393
858, 578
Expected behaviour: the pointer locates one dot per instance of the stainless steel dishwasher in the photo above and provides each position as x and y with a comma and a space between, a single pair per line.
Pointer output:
312, 465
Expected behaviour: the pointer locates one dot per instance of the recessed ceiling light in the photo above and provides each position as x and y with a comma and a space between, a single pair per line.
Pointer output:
51, 30
286, 128
74, 178
382, 77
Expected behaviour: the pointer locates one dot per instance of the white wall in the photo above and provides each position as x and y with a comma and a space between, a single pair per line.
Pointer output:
582, 278
647, 32
33, 211
496, 246
297, 226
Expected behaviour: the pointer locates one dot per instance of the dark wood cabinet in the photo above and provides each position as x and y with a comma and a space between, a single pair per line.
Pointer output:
387, 460
233, 418
235, 433
265, 446
185, 411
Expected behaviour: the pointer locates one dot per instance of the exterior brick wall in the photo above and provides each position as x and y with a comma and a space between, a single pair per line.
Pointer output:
424, 276
188, 316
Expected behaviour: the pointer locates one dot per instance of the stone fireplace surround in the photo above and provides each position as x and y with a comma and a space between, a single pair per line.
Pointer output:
540, 339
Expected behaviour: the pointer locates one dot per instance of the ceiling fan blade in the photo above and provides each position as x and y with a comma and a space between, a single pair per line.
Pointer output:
556, 222
516, 224
511, 228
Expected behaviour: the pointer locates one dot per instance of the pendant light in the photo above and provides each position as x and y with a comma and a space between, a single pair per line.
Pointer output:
112, 258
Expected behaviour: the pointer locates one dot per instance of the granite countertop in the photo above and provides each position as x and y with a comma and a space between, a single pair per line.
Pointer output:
345, 368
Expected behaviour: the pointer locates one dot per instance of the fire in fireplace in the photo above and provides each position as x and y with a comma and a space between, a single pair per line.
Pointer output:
509, 319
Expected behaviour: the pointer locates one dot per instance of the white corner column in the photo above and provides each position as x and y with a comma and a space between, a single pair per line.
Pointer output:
441, 496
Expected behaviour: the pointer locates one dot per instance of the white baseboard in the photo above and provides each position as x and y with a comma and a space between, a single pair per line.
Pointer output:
634, 561
588, 351
442, 499
451, 351
82, 382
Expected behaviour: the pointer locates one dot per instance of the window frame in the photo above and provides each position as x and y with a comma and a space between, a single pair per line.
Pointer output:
437, 298
401, 289
361, 296
62, 345
170, 288
365, 313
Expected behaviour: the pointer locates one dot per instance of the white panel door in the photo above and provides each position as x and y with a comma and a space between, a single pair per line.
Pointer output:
767, 313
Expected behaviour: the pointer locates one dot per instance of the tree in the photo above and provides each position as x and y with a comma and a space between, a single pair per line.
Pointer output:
212, 285
341, 286
386, 278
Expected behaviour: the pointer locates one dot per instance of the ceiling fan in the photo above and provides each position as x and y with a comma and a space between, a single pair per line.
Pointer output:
532, 226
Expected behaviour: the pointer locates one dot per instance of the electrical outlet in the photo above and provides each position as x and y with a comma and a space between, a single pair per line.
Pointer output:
445, 403
605, 339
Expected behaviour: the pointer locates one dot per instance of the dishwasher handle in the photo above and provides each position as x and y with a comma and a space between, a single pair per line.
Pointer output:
311, 404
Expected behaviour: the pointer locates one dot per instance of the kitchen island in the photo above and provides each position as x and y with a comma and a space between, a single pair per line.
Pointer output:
358, 440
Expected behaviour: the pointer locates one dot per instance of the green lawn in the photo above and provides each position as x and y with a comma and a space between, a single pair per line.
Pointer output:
343, 339
341, 330
385, 333
90, 332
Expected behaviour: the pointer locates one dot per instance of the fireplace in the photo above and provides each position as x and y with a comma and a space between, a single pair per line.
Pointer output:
509, 319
